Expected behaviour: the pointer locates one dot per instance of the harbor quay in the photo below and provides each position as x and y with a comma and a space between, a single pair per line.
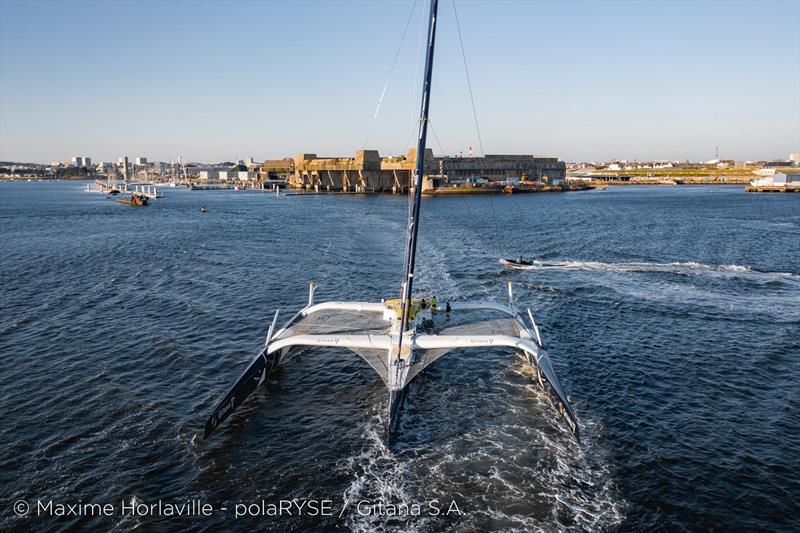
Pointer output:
366, 171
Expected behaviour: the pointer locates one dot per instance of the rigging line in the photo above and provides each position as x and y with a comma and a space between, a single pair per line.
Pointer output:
414, 130
499, 244
389, 75
322, 276
441, 150
415, 121
469, 83
361, 235
374, 205
415, 87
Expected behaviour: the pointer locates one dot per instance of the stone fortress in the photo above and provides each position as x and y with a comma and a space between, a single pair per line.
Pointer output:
368, 171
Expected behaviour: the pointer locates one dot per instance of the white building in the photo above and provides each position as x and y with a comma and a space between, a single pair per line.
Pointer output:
795, 159
778, 179
226, 175
141, 160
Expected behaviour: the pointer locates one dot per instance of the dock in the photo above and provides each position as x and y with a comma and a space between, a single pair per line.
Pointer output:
149, 191
772, 188
106, 187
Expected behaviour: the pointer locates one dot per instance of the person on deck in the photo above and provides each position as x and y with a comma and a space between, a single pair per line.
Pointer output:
447, 310
434, 304
423, 304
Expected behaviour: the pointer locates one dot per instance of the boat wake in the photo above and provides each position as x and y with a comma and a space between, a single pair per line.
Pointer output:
378, 475
521, 473
678, 267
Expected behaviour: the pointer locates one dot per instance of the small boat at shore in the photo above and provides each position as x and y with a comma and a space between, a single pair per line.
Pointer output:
136, 200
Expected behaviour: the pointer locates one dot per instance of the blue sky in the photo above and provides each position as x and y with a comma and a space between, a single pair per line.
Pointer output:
219, 81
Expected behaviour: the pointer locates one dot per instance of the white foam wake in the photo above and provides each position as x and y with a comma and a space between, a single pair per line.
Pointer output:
680, 267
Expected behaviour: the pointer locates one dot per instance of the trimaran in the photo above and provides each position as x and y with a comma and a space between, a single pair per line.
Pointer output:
399, 337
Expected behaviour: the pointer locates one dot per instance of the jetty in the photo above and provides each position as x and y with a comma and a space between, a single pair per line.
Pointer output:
145, 190
148, 191
106, 187
771, 188
467, 189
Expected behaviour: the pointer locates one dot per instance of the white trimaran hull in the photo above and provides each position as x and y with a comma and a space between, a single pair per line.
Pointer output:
370, 329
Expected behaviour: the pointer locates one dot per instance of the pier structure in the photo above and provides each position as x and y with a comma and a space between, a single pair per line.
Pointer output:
107, 187
148, 191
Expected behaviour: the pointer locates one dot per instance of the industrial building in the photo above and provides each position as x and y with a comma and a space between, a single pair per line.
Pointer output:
367, 171
775, 182
502, 167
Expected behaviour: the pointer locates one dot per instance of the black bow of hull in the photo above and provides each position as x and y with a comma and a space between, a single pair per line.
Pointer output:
261, 367
396, 400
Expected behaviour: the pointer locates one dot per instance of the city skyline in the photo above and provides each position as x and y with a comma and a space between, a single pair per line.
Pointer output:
89, 161
579, 81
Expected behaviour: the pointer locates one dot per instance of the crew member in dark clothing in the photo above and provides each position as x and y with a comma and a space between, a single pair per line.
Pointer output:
447, 310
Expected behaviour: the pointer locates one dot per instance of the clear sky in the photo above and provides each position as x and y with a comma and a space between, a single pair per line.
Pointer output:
216, 81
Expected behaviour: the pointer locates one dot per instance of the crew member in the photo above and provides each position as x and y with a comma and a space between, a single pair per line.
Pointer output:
434, 304
447, 310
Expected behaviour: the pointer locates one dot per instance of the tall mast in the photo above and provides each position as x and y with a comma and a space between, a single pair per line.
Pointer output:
413, 223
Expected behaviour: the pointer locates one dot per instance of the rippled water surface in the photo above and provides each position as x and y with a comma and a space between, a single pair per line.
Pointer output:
672, 316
